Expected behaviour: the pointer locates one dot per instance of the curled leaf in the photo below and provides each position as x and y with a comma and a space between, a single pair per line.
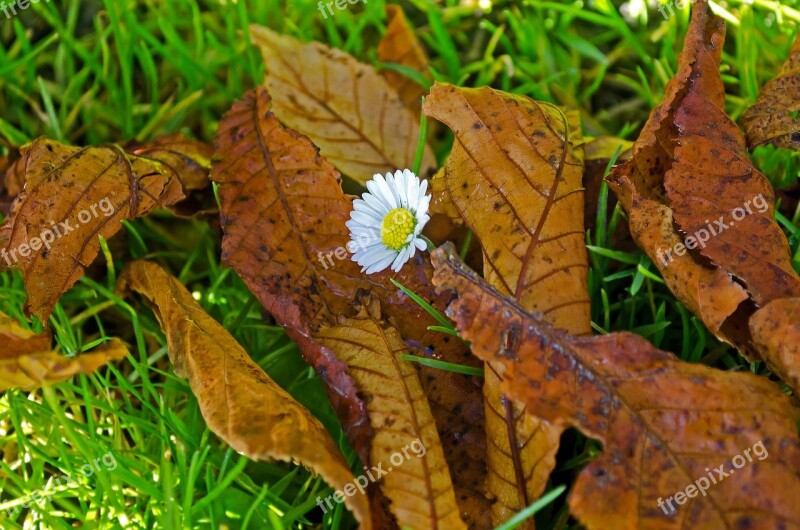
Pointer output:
663, 423
776, 332
238, 401
522, 161
72, 195
190, 160
773, 117
28, 362
344, 106
417, 484
697, 205
400, 45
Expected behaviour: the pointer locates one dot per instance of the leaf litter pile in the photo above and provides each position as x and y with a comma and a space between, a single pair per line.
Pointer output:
515, 338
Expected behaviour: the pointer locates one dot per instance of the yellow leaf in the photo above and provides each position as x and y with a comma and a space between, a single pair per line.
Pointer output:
345, 107
238, 401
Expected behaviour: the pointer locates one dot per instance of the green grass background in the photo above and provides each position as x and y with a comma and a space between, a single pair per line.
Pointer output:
91, 71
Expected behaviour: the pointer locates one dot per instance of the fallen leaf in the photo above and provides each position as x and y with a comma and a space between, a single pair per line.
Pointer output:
13, 176
400, 45
773, 117
27, 361
189, 159
663, 423
239, 402
344, 106
283, 216
776, 332
690, 176
522, 161
417, 482
72, 195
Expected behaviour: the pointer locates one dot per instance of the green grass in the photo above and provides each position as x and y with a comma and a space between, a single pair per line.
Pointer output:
89, 72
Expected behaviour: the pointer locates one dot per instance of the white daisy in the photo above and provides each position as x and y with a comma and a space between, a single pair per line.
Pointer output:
386, 222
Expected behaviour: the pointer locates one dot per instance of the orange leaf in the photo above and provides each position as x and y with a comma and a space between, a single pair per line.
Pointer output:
772, 119
28, 362
663, 423
238, 401
72, 195
522, 161
284, 214
776, 332
400, 45
690, 167
189, 159
344, 106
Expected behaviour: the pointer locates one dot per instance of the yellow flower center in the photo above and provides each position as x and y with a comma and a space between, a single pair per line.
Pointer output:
396, 227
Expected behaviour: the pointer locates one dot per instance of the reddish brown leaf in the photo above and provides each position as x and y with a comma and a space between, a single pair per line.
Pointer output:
523, 162
773, 117
776, 332
400, 45
238, 401
28, 362
418, 485
690, 172
344, 106
284, 217
663, 423
72, 195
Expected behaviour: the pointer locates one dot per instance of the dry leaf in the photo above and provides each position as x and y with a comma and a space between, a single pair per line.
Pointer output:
773, 118
663, 423
776, 332
284, 214
521, 161
72, 195
238, 401
690, 172
344, 106
28, 362
418, 484
13, 176
400, 45
189, 159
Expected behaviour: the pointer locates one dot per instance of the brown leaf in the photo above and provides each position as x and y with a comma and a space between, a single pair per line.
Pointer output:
418, 486
238, 401
663, 423
773, 117
400, 45
14, 176
344, 106
73, 195
521, 161
776, 332
189, 159
284, 214
690, 172
28, 362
